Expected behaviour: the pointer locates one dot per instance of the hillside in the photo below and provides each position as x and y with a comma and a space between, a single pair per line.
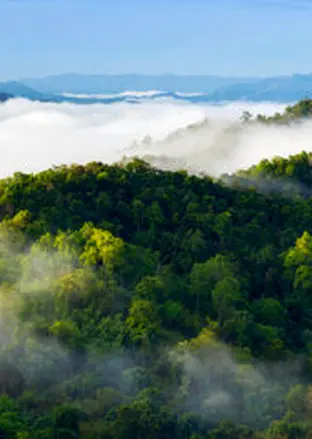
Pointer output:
141, 303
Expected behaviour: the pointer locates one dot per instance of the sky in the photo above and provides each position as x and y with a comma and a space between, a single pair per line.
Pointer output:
222, 37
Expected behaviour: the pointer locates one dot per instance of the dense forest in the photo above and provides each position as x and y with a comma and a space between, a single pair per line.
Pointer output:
146, 304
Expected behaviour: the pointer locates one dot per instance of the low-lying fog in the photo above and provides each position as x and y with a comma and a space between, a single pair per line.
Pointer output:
210, 138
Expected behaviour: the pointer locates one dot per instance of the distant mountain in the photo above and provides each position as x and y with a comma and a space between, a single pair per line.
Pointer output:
18, 89
5, 97
100, 84
211, 88
281, 89
105, 89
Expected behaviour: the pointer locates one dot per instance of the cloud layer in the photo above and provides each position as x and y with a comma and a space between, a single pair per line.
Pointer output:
35, 136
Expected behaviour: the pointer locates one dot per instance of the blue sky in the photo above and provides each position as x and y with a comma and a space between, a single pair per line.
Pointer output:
224, 37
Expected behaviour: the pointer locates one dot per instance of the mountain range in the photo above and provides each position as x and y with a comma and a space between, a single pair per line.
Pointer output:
108, 89
103, 84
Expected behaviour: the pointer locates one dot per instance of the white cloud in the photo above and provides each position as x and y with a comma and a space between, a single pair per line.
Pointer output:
35, 136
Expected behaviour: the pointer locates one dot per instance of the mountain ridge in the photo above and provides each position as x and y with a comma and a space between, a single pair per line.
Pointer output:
109, 89
76, 83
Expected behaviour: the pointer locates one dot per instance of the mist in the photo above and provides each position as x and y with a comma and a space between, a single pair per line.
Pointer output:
34, 273
217, 385
207, 377
209, 138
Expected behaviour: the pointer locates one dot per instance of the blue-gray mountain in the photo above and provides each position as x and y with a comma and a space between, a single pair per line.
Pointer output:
194, 89
279, 89
103, 84
5, 97
18, 89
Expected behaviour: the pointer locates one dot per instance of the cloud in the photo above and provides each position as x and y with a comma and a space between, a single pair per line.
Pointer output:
34, 136
220, 147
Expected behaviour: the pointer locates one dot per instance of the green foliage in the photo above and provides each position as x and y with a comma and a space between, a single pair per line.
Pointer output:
66, 422
137, 303
301, 110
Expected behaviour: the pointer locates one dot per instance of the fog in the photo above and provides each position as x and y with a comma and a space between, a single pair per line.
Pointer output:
35, 136
206, 377
219, 386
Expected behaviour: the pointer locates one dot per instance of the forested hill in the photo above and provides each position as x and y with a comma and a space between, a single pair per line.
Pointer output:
137, 303
290, 177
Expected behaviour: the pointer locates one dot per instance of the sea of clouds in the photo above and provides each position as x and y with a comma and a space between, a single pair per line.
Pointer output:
210, 138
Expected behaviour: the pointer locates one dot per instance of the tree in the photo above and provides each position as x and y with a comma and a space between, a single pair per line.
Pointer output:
205, 276
269, 311
67, 333
150, 288
226, 296
246, 117
66, 421
102, 248
143, 323
297, 402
